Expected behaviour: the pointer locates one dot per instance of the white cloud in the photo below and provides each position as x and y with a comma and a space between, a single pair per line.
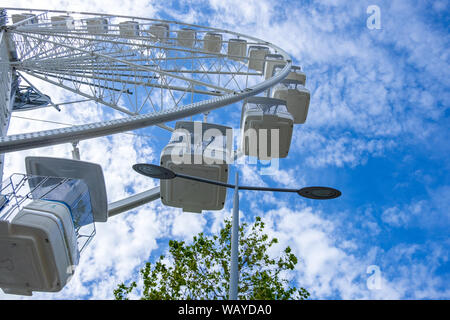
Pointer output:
324, 268
321, 150
187, 224
327, 268
394, 217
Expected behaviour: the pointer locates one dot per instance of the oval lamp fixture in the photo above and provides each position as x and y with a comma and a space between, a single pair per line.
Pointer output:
154, 171
320, 193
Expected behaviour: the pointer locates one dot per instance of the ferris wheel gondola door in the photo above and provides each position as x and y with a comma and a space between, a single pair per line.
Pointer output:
30, 17
212, 42
266, 128
292, 90
297, 74
63, 23
201, 150
129, 29
159, 32
237, 49
97, 26
257, 55
273, 60
186, 37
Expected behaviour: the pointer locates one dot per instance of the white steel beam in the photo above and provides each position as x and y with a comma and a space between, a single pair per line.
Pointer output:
136, 66
133, 201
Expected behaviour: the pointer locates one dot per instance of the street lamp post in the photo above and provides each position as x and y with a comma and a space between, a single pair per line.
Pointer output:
234, 268
158, 172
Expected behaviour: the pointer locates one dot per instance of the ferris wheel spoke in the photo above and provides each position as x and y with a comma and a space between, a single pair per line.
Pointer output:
57, 74
230, 73
79, 92
202, 67
119, 91
140, 67
113, 40
31, 48
65, 55
237, 72
143, 45
83, 77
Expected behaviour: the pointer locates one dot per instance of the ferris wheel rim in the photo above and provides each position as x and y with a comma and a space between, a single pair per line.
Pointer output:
140, 18
103, 128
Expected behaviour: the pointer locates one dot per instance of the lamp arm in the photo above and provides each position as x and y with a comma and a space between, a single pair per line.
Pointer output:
227, 185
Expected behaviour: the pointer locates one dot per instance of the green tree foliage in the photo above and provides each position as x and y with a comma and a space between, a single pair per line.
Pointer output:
201, 270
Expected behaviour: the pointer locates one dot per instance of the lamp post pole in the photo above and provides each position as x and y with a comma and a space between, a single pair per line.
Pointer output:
234, 272
158, 172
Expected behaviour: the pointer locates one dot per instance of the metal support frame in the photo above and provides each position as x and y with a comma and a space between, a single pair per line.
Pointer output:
6, 94
49, 101
133, 201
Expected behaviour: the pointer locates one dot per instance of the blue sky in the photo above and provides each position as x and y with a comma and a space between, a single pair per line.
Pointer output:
377, 129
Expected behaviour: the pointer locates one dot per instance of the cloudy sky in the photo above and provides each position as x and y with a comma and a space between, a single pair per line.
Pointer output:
377, 129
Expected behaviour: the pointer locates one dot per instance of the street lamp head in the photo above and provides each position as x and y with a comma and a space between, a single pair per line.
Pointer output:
154, 171
319, 193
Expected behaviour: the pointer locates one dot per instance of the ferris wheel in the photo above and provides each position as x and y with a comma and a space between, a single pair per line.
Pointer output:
148, 72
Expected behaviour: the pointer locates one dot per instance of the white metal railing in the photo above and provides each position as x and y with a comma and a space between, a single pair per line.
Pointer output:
19, 190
